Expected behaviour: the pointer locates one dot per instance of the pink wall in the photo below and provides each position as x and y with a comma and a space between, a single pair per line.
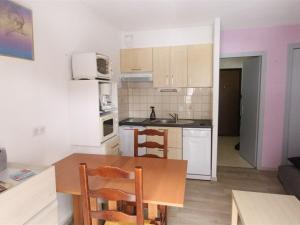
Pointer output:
274, 42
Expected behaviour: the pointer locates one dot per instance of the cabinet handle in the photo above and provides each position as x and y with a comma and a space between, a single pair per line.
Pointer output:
137, 69
172, 79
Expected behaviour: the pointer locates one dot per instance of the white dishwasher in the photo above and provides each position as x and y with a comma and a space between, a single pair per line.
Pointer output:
197, 151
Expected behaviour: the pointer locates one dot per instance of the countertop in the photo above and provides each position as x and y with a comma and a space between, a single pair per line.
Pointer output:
148, 122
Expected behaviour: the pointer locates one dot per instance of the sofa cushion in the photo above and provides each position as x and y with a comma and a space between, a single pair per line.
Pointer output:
295, 161
289, 176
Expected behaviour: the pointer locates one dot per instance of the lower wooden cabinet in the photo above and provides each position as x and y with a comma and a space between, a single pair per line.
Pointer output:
174, 142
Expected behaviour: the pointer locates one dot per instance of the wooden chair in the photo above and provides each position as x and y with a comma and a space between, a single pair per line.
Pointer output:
112, 217
151, 144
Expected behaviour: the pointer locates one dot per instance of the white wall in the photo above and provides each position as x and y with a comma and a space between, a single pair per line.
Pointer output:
215, 108
167, 37
35, 93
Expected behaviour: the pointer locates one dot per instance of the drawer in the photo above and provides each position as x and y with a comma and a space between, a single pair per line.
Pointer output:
47, 216
155, 152
20, 203
112, 147
173, 153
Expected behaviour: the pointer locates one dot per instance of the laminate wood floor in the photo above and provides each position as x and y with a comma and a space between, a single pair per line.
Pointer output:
209, 203
228, 155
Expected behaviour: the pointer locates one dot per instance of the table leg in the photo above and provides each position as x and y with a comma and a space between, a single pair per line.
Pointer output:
94, 207
77, 210
234, 214
164, 214
112, 205
152, 211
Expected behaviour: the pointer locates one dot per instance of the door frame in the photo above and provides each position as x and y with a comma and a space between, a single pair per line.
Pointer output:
262, 89
291, 48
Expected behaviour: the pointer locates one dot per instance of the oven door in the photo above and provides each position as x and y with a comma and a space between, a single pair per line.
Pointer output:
107, 127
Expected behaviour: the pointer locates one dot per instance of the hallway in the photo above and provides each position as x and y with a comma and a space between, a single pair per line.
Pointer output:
228, 155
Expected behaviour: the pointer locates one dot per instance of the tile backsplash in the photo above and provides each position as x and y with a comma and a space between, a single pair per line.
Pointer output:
189, 103
123, 103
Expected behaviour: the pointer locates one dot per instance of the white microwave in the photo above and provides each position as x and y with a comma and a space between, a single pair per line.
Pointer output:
89, 66
108, 126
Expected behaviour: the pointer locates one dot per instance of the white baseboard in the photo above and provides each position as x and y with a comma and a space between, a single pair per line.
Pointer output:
198, 177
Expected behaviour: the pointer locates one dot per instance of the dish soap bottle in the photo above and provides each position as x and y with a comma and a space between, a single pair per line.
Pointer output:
152, 115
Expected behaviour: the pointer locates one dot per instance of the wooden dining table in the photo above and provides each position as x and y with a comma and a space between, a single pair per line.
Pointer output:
163, 180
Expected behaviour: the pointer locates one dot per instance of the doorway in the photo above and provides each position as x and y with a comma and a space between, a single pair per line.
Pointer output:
239, 101
291, 141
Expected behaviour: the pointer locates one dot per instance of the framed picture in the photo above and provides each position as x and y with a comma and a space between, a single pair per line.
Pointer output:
16, 31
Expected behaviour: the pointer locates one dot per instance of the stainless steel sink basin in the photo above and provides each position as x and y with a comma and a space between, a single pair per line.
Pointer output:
185, 121
164, 121
169, 121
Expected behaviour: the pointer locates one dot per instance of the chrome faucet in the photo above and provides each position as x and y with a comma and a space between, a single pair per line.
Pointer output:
174, 116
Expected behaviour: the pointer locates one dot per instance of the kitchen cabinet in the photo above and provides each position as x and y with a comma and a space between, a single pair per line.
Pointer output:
200, 65
112, 146
161, 67
174, 142
178, 66
136, 60
170, 66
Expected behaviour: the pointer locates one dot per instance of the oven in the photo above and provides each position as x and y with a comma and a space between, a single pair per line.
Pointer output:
108, 126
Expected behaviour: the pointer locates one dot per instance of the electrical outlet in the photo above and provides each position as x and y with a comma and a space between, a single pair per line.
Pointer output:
39, 130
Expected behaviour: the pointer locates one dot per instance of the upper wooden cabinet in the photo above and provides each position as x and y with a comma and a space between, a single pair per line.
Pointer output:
161, 67
170, 66
136, 60
178, 66
200, 65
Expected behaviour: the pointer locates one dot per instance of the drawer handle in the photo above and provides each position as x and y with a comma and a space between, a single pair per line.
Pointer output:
114, 146
135, 69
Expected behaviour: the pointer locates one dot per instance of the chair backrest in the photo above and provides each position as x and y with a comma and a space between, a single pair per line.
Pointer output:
111, 194
151, 144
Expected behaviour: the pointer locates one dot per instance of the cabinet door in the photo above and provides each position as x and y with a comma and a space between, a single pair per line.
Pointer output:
200, 65
161, 67
136, 60
174, 136
175, 153
178, 65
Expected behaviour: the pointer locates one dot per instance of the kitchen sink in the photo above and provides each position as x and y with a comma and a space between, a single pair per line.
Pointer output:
185, 121
170, 121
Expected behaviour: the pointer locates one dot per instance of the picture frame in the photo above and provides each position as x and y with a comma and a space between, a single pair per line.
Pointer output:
16, 30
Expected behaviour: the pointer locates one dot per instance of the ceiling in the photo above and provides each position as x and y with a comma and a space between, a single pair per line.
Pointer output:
129, 15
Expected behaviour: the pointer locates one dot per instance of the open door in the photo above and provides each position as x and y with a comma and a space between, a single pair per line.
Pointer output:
251, 74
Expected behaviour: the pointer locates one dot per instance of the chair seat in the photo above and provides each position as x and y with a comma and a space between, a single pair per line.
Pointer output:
147, 222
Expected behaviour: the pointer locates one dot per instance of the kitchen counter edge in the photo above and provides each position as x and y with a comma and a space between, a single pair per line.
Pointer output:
147, 122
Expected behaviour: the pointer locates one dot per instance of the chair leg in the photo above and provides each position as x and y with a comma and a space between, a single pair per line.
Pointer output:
163, 214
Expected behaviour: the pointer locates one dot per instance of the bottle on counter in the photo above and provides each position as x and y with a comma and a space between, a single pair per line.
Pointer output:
152, 115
